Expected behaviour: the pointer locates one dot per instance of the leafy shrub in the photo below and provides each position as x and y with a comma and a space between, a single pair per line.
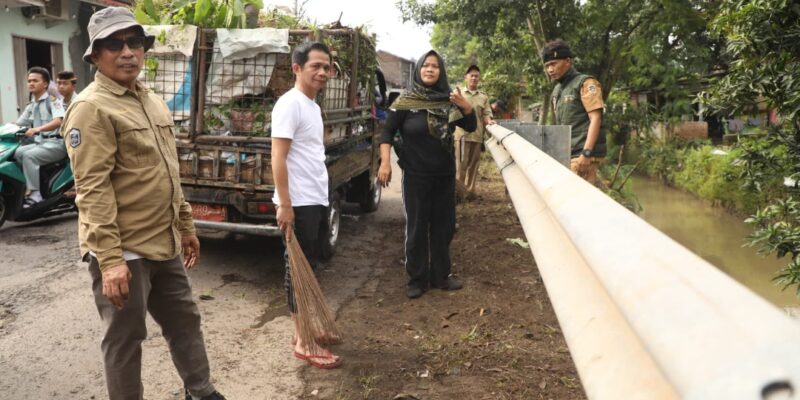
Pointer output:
742, 178
777, 232
617, 185
657, 158
761, 43
721, 177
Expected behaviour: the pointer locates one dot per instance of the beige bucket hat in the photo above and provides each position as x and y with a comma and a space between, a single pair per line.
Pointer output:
105, 22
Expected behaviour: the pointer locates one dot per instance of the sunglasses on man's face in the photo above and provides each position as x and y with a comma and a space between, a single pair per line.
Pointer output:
113, 44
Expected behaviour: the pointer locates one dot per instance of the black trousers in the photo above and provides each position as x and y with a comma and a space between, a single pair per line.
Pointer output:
308, 228
430, 209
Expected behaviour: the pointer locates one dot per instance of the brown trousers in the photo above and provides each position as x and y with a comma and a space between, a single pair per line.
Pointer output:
468, 156
162, 289
590, 173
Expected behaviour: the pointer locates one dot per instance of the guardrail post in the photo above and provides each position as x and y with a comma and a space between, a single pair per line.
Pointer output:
554, 140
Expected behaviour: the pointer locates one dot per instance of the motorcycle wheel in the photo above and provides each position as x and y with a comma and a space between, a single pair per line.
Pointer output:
3, 210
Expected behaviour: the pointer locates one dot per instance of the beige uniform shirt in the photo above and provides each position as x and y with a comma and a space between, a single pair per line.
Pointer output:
591, 95
122, 149
481, 108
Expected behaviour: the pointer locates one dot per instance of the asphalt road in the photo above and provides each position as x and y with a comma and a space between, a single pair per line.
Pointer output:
50, 331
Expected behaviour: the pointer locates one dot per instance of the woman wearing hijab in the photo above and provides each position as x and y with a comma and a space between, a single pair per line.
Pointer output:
420, 125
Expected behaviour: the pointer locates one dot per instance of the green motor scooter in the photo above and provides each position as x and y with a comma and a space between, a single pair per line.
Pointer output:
56, 182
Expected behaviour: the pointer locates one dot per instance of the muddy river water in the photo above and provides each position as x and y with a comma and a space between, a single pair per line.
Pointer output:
714, 234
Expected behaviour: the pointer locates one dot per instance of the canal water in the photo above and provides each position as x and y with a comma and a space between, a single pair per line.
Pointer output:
712, 233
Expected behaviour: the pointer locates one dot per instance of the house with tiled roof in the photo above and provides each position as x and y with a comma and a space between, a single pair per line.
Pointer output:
398, 71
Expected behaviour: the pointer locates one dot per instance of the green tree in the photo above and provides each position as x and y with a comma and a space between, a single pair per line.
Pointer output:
500, 70
636, 43
508, 36
763, 46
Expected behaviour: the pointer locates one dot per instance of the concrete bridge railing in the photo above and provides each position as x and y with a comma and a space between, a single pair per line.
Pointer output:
644, 317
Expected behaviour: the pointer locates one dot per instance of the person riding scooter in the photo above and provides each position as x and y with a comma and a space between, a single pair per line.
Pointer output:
56, 182
43, 116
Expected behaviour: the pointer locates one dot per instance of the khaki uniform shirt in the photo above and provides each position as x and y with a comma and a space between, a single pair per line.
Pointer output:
591, 95
122, 149
481, 108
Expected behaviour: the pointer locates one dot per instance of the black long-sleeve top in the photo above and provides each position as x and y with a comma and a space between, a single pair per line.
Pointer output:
421, 153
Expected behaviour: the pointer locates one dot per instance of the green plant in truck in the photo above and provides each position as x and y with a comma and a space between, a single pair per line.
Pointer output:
203, 13
151, 68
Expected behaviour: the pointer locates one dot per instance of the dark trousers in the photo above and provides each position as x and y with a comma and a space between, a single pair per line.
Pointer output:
162, 289
430, 210
308, 228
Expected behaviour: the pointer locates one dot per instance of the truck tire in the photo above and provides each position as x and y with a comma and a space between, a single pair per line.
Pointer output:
372, 196
329, 233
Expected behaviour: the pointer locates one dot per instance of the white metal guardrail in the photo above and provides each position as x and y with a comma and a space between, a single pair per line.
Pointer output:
644, 317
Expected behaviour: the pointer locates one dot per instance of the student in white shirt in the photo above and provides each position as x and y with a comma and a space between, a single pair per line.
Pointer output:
42, 117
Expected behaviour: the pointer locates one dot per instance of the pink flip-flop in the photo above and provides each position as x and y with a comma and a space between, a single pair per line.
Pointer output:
310, 359
325, 339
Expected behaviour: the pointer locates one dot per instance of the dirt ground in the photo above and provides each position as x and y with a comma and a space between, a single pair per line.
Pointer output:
495, 339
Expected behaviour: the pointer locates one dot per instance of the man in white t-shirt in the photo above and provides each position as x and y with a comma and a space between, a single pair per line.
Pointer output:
298, 167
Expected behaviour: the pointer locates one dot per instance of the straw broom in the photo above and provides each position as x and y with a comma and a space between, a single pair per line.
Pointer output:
315, 319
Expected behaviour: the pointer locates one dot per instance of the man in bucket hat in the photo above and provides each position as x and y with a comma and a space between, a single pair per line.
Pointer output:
134, 221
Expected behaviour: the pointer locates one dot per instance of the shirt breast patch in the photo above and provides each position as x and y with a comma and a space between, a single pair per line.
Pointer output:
75, 137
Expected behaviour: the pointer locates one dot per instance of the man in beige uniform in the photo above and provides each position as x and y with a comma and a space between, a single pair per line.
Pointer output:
468, 144
134, 221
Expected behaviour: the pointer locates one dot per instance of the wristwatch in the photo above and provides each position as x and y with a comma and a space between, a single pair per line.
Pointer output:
586, 152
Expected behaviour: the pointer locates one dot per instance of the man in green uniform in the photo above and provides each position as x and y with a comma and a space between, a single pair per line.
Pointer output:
578, 102
468, 144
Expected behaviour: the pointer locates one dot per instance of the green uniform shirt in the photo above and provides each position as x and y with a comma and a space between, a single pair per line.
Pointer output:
481, 108
573, 97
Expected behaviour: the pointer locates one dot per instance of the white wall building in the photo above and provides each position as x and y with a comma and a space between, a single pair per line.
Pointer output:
43, 33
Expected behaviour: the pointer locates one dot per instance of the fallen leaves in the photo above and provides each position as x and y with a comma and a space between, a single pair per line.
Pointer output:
519, 242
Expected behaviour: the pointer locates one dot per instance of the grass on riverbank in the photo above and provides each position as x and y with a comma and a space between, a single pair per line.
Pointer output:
746, 178
742, 178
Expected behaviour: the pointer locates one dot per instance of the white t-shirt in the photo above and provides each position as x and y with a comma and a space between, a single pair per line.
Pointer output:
299, 118
126, 255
